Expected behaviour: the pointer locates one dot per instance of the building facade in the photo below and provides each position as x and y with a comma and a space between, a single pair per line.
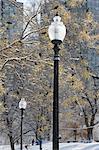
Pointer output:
11, 18
93, 6
11, 26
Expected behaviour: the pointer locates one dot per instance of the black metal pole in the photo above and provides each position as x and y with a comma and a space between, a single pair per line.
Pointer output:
56, 100
21, 144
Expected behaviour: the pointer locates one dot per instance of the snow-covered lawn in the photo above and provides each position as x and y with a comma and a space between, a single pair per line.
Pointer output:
63, 146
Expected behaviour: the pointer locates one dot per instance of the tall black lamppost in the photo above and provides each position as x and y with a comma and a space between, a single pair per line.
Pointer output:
22, 106
56, 33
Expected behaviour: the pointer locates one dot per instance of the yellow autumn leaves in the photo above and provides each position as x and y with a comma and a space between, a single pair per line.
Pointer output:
2, 90
76, 83
2, 109
75, 3
84, 35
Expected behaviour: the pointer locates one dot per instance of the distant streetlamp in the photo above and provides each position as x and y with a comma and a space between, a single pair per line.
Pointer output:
56, 33
22, 107
81, 114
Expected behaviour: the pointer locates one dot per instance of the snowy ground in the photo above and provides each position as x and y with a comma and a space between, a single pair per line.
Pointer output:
63, 146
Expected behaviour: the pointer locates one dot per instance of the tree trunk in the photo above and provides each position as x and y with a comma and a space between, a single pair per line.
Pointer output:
90, 133
75, 134
11, 143
36, 135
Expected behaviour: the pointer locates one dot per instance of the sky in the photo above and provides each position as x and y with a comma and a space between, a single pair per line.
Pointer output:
23, 1
26, 1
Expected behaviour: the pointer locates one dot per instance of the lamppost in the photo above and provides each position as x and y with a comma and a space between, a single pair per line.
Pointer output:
22, 106
56, 33
81, 115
